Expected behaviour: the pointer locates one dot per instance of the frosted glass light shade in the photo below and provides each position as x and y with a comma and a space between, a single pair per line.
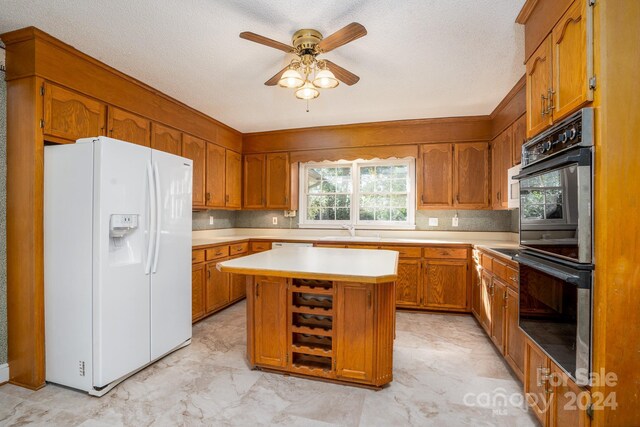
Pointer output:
307, 91
291, 79
325, 80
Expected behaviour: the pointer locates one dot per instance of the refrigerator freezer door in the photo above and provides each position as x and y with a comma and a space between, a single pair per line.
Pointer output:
121, 293
171, 269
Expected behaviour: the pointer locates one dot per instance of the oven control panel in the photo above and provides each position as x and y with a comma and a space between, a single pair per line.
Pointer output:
576, 130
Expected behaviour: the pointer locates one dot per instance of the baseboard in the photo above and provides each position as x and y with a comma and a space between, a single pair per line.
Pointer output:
4, 373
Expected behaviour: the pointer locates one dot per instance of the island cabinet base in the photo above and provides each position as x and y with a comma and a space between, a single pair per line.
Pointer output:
337, 331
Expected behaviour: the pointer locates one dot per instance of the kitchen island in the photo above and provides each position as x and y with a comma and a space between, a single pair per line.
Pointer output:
321, 312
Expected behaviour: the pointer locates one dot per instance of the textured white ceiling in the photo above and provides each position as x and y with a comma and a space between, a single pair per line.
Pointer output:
421, 58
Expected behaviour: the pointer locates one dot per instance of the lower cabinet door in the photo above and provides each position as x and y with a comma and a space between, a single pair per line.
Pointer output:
408, 283
568, 401
514, 337
536, 372
476, 294
498, 309
238, 286
354, 331
270, 321
217, 289
197, 291
445, 284
485, 301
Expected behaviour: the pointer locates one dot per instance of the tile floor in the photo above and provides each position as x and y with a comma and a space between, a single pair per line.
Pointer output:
446, 373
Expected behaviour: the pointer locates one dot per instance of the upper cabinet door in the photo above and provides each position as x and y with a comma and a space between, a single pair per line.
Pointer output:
129, 127
570, 79
166, 139
435, 172
233, 179
518, 138
215, 196
278, 181
539, 89
196, 150
471, 166
69, 116
253, 182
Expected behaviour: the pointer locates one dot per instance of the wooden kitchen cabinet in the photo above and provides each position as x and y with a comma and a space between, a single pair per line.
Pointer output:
558, 72
129, 127
476, 292
215, 195
197, 291
434, 176
233, 180
538, 72
471, 176
270, 320
500, 164
498, 312
238, 287
196, 150
253, 181
69, 116
355, 331
570, 63
408, 283
513, 336
518, 138
269, 182
485, 301
445, 284
536, 370
166, 139
217, 288
278, 180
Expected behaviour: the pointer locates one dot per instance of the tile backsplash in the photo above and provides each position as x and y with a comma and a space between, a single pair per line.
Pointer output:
468, 220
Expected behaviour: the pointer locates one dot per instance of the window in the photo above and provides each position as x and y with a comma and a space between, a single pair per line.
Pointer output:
362, 193
541, 197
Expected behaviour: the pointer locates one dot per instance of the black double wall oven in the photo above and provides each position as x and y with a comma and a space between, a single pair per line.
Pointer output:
556, 237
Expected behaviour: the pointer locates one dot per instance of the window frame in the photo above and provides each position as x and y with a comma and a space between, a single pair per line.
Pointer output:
355, 165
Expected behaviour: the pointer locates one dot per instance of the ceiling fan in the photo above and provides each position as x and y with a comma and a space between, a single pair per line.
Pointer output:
307, 73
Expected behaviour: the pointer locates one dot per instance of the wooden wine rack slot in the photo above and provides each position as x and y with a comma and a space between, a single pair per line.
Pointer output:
317, 290
312, 340
310, 283
314, 351
322, 311
312, 362
309, 300
311, 331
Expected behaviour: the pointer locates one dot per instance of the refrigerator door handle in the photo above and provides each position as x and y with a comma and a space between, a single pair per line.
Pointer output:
152, 217
158, 217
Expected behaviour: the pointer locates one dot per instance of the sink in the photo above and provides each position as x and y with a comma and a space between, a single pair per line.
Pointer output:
352, 239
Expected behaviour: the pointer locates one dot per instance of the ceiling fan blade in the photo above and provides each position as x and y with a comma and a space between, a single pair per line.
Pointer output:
265, 41
341, 74
341, 37
274, 80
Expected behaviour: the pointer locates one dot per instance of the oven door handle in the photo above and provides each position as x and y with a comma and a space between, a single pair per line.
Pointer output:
579, 279
581, 157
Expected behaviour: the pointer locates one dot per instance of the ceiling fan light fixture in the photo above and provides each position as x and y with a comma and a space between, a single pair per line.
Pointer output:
325, 79
307, 91
291, 79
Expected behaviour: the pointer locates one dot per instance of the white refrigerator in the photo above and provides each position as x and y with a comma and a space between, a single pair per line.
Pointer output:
117, 260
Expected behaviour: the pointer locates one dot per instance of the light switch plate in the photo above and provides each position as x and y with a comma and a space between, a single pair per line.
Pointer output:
454, 221
210, 220
433, 222
274, 220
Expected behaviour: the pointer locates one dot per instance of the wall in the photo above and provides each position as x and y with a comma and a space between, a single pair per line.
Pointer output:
3, 218
468, 220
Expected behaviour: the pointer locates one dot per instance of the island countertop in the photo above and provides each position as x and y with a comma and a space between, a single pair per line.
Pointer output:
359, 265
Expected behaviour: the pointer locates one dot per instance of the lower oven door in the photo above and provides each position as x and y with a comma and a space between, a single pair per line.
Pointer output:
555, 311
555, 206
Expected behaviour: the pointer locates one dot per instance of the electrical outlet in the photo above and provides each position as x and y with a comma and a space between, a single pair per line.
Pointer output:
454, 221
210, 220
274, 220
289, 214
433, 222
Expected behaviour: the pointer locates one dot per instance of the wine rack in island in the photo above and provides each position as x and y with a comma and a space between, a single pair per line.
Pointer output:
339, 331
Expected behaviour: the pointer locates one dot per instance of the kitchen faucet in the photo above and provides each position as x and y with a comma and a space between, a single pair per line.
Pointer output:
351, 228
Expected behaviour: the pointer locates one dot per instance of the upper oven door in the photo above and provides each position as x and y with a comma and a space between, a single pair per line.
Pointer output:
555, 206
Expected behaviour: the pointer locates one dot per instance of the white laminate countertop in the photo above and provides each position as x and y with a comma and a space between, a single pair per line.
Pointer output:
359, 265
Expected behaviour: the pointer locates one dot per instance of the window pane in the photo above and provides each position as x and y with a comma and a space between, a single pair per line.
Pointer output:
383, 184
383, 170
366, 214
553, 211
382, 214
344, 171
343, 200
399, 185
399, 200
327, 214
553, 196
313, 214
368, 200
343, 214
398, 214
314, 201
551, 179
533, 211
400, 171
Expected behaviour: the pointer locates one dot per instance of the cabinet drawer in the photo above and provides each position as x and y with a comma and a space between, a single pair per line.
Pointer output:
486, 262
217, 252
329, 245
460, 253
260, 246
197, 256
505, 273
239, 248
405, 251
362, 247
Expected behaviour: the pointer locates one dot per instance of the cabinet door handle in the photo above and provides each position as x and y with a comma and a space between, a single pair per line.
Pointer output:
369, 298
550, 93
226, 198
499, 195
209, 274
207, 196
422, 199
543, 103
257, 289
